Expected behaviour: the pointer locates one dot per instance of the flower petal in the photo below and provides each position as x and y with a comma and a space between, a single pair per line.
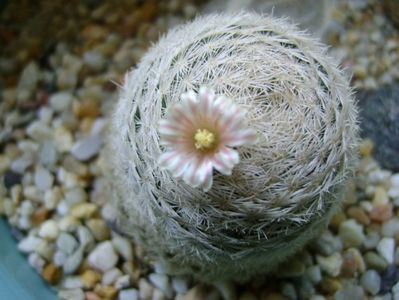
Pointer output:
240, 137
206, 98
225, 160
173, 161
199, 173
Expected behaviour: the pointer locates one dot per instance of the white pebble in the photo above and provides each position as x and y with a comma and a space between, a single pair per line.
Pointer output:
66, 243
122, 282
130, 294
123, 247
330, 264
86, 148
20, 164
45, 114
59, 258
68, 224
72, 282
314, 274
60, 101
37, 262
94, 60
85, 237
39, 131
386, 248
371, 281
49, 230
72, 263
351, 233
161, 281
111, 276
29, 244
75, 294
390, 228
103, 257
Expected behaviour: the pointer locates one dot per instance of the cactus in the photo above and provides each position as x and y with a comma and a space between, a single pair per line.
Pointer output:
286, 185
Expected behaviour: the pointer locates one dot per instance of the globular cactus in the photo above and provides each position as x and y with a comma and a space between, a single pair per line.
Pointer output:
288, 180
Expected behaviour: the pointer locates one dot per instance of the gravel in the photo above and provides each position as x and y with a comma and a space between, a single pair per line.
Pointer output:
53, 114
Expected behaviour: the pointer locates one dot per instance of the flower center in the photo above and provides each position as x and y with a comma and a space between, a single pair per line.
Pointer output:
204, 139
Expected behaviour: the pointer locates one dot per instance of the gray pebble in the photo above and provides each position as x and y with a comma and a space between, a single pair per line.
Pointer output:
351, 233
161, 281
75, 294
94, 60
129, 294
66, 243
103, 256
371, 281
86, 148
386, 248
85, 237
43, 179
72, 263
374, 261
350, 292
123, 247
61, 101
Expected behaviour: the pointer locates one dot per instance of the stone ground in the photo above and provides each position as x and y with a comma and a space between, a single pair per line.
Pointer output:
58, 81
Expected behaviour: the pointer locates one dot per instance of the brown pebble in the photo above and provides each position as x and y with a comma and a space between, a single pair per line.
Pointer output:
366, 147
90, 278
381, 213
52, 273
87, 108
106, 292
94, 32
353, 263
39, 216
359, 215
330, 285
337, 219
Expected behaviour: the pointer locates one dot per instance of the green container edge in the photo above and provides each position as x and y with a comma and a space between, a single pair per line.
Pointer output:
18, 280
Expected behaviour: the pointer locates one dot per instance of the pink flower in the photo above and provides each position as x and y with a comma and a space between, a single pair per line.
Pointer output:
198, 135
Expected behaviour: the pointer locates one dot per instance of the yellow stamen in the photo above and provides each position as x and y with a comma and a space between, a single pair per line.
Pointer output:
204, 139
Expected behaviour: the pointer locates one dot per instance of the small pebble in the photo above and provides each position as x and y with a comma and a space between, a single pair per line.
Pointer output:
331, 264
103, 256
350, 292
99, 229
75, 294
111, 276
60, 101
37, 262
49, 230
66, 243
106, 291
161, 282
122, 282
351, 233
128, 294
371, 282
374, 261
386, 248
73, 261
86, 148
72, 282
84, 210
51, 273
90, 278
123, 247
